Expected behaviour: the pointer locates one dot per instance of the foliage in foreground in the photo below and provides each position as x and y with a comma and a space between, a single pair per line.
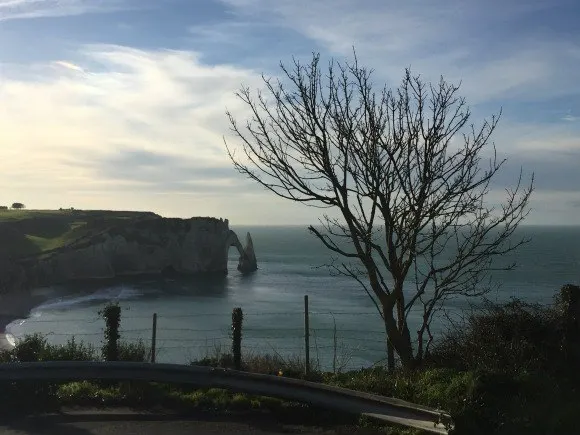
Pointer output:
25, 397
35, 347
515, 338
480, 402
508, 369
505, 369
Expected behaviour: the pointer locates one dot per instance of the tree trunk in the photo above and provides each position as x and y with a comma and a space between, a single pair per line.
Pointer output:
390, 356
399, 342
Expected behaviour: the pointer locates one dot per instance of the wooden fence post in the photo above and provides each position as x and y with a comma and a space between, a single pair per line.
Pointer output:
237, 319
153, 337
306, 337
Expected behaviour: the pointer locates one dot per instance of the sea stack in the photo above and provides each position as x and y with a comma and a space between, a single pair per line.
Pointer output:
248, 262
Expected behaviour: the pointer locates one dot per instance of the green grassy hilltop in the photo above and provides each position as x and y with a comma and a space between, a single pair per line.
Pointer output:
31, 232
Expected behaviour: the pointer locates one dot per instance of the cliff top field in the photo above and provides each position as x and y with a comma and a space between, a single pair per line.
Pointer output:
30, 232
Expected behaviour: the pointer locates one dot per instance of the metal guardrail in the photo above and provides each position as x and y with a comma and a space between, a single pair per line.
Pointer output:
341, 399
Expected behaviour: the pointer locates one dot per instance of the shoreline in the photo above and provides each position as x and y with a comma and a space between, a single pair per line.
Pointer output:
14, 306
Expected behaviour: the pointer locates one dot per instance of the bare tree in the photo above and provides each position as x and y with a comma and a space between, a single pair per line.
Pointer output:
406, 174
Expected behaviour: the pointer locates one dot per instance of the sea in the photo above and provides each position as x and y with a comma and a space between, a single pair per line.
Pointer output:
193, 315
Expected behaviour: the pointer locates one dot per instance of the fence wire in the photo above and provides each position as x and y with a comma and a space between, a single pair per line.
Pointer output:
338, 340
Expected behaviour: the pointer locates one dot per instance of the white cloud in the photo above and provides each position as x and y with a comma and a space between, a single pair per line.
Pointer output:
20, 9
434, 39
62, 131
554, 208
79, 131
68, 65
526, 137
123, 128
571, 118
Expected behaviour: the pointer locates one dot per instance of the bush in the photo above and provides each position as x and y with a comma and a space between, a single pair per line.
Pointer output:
30, 349
519, 367
32, 393
225, 361
512, 338
71, 351
85, 393
134, 352
34, 347
479, 402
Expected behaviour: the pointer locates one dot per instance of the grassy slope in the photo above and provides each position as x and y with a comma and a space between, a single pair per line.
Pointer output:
29, 232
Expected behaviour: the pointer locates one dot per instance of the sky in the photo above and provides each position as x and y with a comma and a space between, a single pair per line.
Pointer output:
120, 104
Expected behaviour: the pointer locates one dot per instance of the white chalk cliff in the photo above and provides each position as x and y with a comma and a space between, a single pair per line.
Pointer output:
150, 246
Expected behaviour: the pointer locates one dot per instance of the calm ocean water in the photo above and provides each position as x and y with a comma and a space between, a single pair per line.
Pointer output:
194, 314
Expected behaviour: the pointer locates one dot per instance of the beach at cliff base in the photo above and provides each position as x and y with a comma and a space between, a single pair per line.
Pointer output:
17, 305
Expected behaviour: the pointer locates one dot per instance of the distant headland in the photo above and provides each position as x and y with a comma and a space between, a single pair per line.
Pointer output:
47, 247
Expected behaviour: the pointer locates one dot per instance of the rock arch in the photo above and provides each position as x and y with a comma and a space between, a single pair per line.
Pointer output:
247, 262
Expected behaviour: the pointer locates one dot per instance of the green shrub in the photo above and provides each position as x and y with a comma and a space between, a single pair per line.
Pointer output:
444, 388
6, 356
377, 380
80, 393
224, 360
134, 352
507, 369
34, 347
86, 393
30, 349
511, 338
71, 351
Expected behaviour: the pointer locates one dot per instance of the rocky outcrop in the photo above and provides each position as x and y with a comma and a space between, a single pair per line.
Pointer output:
149, 246
248, 263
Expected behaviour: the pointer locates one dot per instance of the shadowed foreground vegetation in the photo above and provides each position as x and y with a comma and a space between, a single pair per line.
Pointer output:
505, 369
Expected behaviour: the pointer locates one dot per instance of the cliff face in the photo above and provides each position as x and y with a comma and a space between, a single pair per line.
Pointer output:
151, 246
